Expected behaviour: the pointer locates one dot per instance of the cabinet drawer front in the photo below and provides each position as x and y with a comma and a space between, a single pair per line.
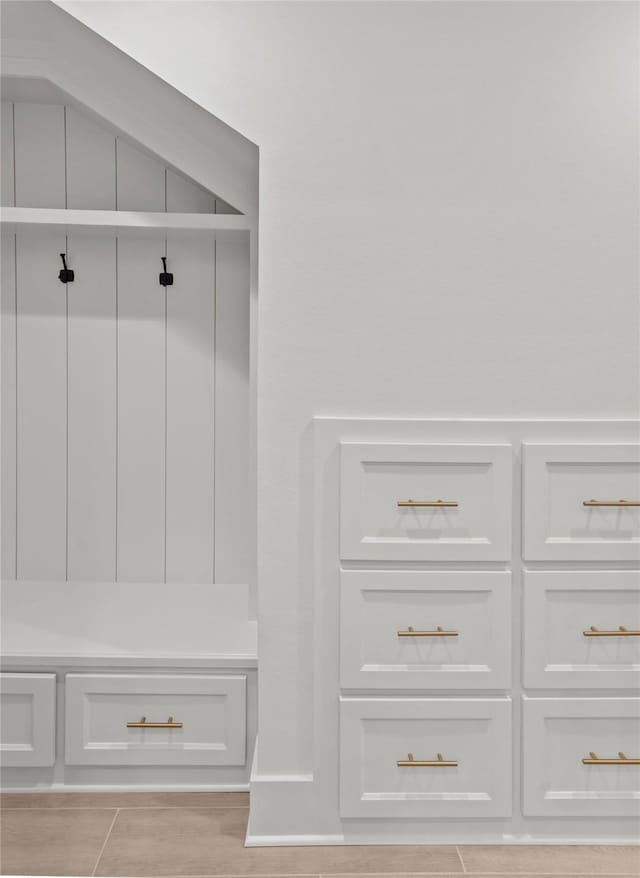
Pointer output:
559, 733
188, 720
28, 720
560, 611
579, 502
425, 502
466, 744
473, 609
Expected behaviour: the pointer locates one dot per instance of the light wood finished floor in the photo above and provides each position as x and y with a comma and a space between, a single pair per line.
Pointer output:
202, 834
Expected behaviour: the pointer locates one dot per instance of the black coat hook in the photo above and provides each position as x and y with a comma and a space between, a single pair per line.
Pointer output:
166, 278
67, 275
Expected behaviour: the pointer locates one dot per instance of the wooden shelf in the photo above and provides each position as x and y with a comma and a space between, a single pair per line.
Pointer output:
121, 223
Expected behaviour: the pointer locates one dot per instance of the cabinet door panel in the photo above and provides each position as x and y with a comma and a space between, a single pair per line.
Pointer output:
378, 608
560, 611
425, 502
581, 503
28, 719
190, 720
467, 742
559, 734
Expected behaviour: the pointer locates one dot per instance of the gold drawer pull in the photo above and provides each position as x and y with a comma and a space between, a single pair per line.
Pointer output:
611, 502
439, 632
436, 503
622, 760
143, 724
410, 762
621, 632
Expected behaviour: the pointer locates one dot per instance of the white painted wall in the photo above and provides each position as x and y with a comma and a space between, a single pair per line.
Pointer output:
448, 227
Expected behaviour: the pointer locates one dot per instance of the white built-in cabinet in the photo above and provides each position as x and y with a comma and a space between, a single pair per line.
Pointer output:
128, 500
484, 580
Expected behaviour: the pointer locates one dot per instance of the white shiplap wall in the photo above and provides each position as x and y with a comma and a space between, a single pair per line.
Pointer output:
125, 405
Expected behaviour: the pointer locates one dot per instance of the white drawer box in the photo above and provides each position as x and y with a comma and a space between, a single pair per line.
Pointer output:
188, 719
560, 611
471, 776
559, 733
425, 502
377, 609
578, 503
28, 720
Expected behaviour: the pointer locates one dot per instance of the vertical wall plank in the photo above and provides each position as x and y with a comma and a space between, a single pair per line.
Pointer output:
41, 407
183, 196
232, 410
6, 186
39, 155
8, 512
141, 411
141, 179
190, 410
91, 163
92, 409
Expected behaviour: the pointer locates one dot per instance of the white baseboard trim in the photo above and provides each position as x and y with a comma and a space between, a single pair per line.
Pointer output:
374, 839
291, 801
296, 810
264, 841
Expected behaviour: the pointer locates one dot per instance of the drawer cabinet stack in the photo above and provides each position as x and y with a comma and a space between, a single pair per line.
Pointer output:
581, 752
427, 630
429, 543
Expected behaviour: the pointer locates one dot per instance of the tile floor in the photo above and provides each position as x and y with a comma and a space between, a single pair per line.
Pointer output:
202, 834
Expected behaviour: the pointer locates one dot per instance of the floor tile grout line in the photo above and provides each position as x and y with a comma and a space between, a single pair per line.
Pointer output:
74, 808
3, 808
115, 817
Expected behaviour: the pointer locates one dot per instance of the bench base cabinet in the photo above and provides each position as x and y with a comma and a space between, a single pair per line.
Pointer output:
581, 757
425, 757
144, 719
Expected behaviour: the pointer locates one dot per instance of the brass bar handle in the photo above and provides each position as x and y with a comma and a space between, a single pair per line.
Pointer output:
439, 632
621, 632
611, 502
410, 762
621, 760
422, 503
143, 724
